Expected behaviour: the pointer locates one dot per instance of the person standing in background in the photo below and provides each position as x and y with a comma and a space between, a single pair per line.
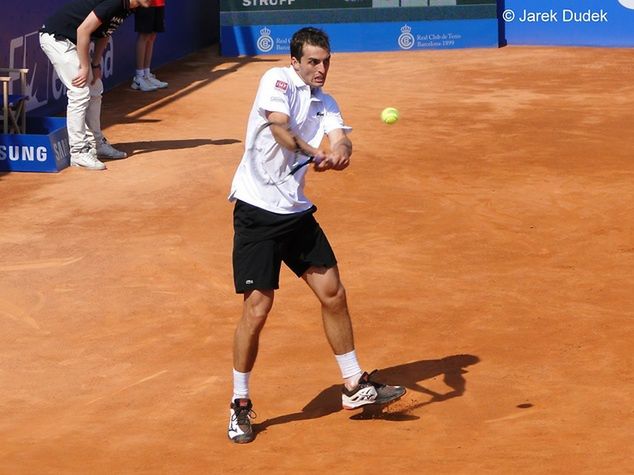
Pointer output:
147, 23
65, 38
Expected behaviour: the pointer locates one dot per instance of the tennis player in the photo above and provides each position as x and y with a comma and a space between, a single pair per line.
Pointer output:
274, 221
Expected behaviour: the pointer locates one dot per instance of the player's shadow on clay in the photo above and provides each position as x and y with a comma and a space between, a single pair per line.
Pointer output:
139, 148
451, 368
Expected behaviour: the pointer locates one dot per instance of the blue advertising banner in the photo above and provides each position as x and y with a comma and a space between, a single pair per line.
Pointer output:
247, 30
190, 25
351, 37
569, 22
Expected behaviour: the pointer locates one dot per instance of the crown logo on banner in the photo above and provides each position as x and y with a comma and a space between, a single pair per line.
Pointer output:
265, 43
406, 40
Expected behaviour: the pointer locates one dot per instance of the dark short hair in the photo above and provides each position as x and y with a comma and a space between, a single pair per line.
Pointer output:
308, 36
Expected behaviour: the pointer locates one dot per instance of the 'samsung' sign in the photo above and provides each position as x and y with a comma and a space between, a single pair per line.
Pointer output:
26, 153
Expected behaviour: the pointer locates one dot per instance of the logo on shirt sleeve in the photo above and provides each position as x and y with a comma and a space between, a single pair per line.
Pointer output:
281, 85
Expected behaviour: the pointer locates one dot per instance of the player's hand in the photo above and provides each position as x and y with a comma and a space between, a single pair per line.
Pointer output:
334, 161
339, 160
82, 77
321, 163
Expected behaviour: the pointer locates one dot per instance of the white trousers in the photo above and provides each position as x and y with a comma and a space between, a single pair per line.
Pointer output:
83, 113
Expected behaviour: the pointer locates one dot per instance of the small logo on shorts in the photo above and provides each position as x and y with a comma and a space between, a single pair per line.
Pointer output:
249, 282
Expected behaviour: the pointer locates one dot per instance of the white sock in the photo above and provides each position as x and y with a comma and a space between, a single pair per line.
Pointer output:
349, 366
240, 385
146, 72
139, 73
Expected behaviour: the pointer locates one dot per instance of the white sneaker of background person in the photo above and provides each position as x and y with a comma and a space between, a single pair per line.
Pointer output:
152, 79
87, 159
141, 83
105, 150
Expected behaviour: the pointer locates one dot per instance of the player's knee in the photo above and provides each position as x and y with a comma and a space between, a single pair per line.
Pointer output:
335, 297
256, 311
256, 317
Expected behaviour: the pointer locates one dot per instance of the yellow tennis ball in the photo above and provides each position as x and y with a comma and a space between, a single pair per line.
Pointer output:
389, 115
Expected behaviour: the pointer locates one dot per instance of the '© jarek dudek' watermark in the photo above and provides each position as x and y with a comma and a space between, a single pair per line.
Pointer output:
562, 15
565, 15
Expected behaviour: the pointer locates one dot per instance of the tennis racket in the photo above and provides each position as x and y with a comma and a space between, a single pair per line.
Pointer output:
301, 159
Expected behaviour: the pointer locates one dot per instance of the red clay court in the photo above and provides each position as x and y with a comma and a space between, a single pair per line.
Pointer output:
486, 242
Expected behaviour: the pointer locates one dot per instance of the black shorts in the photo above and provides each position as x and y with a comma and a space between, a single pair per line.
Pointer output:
262, 240
149, 20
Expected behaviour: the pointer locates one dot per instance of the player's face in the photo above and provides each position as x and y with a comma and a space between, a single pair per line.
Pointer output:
313, 65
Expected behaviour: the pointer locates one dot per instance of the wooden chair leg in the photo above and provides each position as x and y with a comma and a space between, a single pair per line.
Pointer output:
5, 107
23, 109
14, 116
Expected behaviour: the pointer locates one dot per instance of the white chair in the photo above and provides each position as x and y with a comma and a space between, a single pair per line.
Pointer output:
13, 105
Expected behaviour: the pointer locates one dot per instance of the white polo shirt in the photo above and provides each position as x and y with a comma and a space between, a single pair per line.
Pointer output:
264, 164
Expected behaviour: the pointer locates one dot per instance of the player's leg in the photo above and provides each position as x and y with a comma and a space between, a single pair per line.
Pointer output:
255, 309
256, 270
309, 254
329, 290
359, 388
327, 286
311, 257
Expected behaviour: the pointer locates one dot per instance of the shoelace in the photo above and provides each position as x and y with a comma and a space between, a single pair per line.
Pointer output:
369, 381
243, 415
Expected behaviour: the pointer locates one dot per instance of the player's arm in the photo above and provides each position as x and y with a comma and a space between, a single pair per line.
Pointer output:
340, 151
90, 24
280, 128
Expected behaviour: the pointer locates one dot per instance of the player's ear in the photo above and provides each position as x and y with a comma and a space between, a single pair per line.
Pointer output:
294, 63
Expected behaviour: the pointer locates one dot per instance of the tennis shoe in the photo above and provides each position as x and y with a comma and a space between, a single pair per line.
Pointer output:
105, 150
142, 84
154, 81
368, 391
87, 159
240, 414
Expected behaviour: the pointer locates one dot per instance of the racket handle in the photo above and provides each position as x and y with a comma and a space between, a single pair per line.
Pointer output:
301, 165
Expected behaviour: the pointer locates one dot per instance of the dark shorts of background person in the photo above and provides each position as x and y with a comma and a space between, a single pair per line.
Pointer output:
263, 240
149, 20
